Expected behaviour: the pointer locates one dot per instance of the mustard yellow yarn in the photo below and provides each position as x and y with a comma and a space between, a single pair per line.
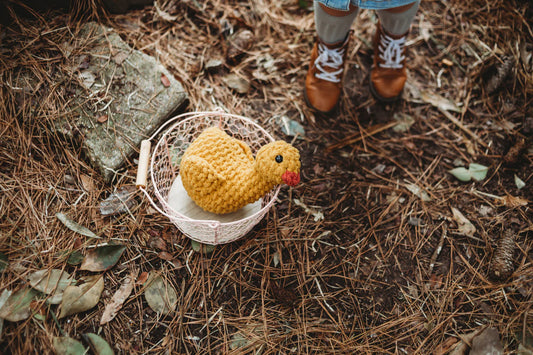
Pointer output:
221, 175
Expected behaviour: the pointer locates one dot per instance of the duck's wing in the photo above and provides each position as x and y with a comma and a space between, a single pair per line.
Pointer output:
197, 174
246, 149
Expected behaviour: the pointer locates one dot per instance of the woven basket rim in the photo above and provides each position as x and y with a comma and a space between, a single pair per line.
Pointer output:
211, 223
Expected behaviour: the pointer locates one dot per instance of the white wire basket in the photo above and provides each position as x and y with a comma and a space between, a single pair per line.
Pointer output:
201, 226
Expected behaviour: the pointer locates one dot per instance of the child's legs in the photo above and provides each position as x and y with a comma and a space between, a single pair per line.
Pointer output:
333, 25
397, 21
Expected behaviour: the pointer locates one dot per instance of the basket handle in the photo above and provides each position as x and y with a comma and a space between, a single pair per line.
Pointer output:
144, 153
217, 111
144, 160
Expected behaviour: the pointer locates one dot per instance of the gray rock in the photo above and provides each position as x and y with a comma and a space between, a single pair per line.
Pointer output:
123, 97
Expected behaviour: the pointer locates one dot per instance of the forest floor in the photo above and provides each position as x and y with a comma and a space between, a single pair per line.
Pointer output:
379, 249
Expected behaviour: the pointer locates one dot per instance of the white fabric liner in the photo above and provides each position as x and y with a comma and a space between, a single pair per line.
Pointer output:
180, 202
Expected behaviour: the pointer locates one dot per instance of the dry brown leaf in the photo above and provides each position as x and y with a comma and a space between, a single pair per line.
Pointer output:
236, 83
514, 201
445, 347
239, 43
165, 256
83, 297
119, 297
464, 226
142, 278
87, 183
158, 243
499, 73
439, 101
121, 201
102, 119
463, 346
164, 80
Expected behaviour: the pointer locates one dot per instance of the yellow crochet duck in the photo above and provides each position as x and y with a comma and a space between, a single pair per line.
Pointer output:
221, 175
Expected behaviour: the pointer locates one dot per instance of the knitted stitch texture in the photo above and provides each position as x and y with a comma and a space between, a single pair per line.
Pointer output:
221, 175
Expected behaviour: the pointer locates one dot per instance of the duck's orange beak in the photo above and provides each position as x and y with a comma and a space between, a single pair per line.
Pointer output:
290, 178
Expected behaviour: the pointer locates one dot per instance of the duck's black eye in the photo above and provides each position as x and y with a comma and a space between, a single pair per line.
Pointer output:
279, 158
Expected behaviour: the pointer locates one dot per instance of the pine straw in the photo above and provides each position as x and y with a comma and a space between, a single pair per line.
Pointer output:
383, 272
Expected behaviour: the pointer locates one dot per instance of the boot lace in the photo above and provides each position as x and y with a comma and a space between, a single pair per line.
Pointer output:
332, 58
391, 51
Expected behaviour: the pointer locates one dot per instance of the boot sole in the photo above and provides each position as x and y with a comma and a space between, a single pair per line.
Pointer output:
317, 110
381, 98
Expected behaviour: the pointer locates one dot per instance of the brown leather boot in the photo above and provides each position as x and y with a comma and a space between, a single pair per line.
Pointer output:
388, 74
323, 83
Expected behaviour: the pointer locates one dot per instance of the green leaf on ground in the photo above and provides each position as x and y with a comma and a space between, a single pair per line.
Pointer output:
4, 296
404, 122
17, 306
102, 258
75, 258
525, 338
68, 346
202, 248
519, 182
75, 227
98, 345
83, 297
238, 340
160, 295
461, 173
476, 172
51, 282
3, 262
290, 127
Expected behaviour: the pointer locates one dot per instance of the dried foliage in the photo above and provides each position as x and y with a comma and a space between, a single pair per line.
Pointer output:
383, 271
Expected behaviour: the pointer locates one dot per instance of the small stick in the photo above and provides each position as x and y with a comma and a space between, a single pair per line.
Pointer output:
322, 293
437, 251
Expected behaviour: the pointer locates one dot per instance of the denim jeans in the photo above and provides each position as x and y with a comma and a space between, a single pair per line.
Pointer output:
365, 4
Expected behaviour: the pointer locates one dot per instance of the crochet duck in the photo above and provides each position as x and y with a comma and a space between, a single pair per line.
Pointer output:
221, 174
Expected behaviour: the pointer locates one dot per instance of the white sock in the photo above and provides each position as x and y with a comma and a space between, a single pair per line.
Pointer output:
398, 23
332, 29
